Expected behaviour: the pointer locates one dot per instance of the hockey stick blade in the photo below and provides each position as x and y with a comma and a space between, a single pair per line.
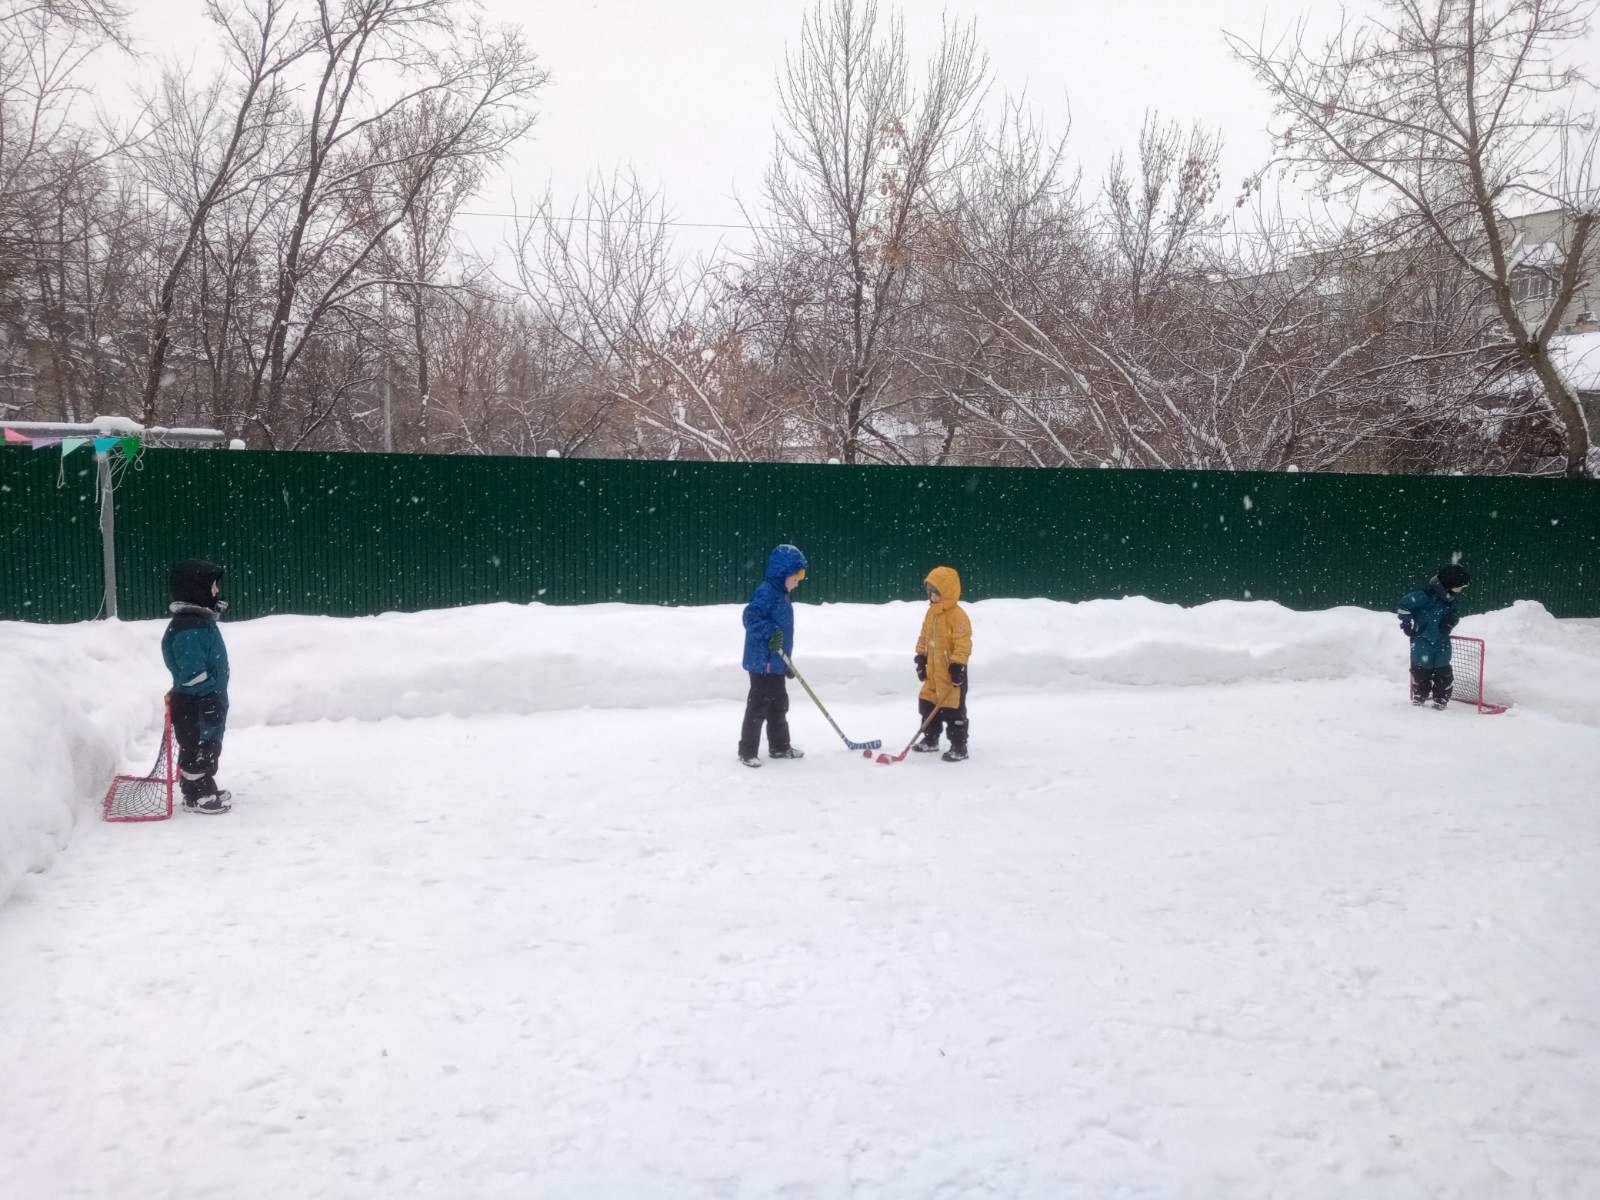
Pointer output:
865, 747
885, 760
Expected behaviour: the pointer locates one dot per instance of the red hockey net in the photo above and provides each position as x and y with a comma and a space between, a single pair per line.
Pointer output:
1467, 658
145, 797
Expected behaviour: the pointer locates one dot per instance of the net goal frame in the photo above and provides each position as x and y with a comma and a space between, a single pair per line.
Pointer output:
1468, 656
146, 797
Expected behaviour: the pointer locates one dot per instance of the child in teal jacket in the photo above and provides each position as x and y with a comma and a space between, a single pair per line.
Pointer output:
1427, 616
195, 655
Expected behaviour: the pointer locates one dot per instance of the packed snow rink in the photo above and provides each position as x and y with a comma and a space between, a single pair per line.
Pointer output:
1210, 912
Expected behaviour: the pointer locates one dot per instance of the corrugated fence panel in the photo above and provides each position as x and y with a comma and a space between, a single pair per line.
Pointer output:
358, 534
49, 536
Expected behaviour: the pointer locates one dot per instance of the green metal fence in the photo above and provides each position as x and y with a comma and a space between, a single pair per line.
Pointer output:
358, 534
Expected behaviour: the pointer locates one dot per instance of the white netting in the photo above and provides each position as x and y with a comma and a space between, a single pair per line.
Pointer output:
145, 797
1466, 659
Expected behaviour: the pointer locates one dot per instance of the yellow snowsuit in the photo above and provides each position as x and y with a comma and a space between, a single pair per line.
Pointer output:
946, 638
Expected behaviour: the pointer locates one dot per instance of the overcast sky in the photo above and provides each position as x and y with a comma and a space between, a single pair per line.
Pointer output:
684, 91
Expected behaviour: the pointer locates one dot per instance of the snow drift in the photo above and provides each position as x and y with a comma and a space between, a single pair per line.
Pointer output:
80, 701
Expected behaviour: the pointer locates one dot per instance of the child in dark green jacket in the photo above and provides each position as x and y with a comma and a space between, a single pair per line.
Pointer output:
1427, 616
193, 650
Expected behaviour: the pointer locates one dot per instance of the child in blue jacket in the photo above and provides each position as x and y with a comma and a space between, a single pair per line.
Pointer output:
193, 650
768, 635
1427, 616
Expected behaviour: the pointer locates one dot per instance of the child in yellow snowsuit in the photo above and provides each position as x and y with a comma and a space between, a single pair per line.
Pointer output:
943, 649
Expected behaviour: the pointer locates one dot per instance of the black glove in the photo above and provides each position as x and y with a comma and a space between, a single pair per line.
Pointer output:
958, 674
922, 667
1408, 627
1449, 622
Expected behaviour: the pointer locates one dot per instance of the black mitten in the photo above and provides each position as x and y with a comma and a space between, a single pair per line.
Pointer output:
922, 667
958, 674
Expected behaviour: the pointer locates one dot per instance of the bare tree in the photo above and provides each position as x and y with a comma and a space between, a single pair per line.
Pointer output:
1318, 350
101, 20
1136, 333
862, 152
417, 257
227, 313
604, 277
1012, 232
366, 154
212, 144
510, 384
1077, 338
53, 173
1450, 112
1156, 215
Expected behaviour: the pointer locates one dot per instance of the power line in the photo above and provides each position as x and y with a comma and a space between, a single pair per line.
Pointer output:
608, 220
1104, 235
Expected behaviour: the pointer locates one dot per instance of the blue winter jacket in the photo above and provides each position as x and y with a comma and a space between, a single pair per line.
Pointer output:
770, 609
1431, 614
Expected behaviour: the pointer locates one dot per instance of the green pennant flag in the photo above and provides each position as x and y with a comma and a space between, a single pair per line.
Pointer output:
130, 447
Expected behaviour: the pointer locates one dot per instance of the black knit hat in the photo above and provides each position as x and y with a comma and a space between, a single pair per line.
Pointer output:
191, 580
1454, 575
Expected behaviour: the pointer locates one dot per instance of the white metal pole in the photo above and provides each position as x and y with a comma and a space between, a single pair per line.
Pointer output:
108, 531
388, 401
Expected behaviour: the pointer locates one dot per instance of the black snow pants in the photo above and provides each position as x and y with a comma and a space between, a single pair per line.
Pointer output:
197, 727
955, 719
1432, 682
768, 703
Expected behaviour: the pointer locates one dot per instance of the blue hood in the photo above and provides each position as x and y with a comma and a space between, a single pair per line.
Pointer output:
783, 562
769, 612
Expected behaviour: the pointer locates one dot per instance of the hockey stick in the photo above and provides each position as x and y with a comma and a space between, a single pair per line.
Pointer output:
885, 759
865, 747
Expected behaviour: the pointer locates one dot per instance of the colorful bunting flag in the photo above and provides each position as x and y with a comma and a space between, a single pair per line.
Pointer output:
68, 445
45, 443
103, 445
16, 438
130, 447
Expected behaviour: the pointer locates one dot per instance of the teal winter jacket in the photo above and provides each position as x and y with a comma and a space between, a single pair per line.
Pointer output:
194, 652
1427, 616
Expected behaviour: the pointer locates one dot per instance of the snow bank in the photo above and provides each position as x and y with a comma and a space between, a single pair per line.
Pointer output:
80, 701
511, 659
71, 698
504, 659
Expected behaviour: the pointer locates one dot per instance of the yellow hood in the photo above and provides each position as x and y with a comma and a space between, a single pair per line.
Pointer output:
948, 583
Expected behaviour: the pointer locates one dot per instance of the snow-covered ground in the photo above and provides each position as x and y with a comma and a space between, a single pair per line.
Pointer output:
1210, 912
